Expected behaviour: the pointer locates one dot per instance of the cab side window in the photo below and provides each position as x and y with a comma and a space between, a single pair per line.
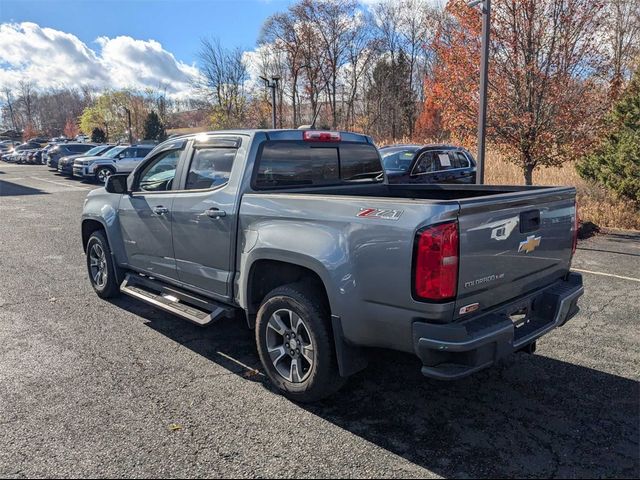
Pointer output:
427, 163
460, 160
128, 153
141, 152
210, 168
158, 175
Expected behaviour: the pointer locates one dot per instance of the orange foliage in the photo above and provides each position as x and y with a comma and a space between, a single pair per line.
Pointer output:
543, 106
70, 129
29, 132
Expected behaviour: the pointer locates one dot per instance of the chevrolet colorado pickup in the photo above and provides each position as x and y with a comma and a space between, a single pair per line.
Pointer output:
300, 234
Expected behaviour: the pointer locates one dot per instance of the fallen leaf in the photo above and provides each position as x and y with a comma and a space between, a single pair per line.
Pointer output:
175, 427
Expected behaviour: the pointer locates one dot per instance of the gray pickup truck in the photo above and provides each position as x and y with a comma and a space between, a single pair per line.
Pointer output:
298, 233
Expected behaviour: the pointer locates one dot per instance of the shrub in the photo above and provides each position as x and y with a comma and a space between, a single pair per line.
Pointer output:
98, 135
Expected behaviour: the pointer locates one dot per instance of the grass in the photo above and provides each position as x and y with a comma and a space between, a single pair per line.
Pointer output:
595, 203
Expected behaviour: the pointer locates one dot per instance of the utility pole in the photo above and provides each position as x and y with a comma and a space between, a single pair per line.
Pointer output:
273, 85
485, 6
129, 119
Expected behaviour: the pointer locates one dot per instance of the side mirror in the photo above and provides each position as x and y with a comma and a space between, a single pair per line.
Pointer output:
117, 184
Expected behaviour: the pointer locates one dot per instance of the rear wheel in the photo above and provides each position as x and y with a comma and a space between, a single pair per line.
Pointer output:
296, 344
103, 273
103, 173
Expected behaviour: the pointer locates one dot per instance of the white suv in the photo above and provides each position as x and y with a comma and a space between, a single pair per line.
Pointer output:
121, 159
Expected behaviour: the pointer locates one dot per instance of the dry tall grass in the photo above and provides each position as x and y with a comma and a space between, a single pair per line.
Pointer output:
595, 203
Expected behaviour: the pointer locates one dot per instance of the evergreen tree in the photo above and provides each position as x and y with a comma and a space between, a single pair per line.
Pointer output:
153, 128
98, 135
616, 162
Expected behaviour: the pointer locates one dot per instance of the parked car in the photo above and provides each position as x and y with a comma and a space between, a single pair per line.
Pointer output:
65, 164
7, 146
121, 159
299, 233
428, 164
20, 152
64, 149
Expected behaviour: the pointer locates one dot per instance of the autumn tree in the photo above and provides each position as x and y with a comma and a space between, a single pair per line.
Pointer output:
543, 102
70, 129
332, 24
280, 34
620, 35
222, 82
29, 132
109, 112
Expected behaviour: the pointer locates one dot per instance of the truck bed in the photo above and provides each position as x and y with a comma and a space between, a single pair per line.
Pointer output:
324, 222
424, 192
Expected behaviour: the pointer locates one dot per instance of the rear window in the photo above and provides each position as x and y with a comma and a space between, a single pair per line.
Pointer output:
80, 148
299, 164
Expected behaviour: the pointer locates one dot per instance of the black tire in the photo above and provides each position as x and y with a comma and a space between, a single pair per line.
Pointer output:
322, 378
111, 285
99, 173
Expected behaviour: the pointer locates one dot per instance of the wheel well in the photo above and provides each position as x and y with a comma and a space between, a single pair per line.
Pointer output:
88, 227
265, 275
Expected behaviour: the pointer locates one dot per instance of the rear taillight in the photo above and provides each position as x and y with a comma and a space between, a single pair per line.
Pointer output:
575, 230
436, 262
318, 136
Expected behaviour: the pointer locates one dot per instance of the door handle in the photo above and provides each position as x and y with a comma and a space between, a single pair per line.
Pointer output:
160, 210
215, 213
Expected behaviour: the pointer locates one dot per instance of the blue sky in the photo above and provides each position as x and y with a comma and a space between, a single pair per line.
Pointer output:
177, 24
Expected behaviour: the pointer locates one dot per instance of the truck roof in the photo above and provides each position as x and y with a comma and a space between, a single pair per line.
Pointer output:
279, 134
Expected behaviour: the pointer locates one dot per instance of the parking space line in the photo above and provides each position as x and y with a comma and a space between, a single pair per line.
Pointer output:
60, 183
606, 274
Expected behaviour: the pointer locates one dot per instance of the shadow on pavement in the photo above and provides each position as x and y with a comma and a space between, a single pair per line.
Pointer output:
529, 416
8, 189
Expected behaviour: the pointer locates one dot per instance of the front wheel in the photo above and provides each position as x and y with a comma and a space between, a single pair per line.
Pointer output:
103, 273
296, 344
103, 173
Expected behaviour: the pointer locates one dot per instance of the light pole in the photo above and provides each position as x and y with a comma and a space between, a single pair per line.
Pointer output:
129, 118
484, 73
272, 84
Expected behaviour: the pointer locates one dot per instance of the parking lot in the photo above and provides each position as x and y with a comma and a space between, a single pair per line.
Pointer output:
110, 389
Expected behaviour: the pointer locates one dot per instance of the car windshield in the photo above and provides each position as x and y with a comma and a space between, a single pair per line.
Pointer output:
397, 159
113, 152
95, 150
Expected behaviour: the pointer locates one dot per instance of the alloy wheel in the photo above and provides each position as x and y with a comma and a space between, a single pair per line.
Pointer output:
103, 175
290, 346
98, 265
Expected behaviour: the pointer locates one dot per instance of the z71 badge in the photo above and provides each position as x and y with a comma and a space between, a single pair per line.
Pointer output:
379, 213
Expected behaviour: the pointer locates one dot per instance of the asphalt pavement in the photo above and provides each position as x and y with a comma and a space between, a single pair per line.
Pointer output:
91, 388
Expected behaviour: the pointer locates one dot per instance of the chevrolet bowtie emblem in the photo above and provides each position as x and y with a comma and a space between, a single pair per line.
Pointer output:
530, 244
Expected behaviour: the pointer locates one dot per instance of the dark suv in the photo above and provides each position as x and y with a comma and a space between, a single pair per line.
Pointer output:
65, 149
428, 164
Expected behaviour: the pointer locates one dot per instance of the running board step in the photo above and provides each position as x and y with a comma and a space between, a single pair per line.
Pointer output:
186, 305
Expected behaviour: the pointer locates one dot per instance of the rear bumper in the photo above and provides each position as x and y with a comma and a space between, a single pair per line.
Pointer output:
453, 351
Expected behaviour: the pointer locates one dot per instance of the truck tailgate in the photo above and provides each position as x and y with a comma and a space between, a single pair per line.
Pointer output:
512, 244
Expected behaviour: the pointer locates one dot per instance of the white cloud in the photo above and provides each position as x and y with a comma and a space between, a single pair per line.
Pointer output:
52, 58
